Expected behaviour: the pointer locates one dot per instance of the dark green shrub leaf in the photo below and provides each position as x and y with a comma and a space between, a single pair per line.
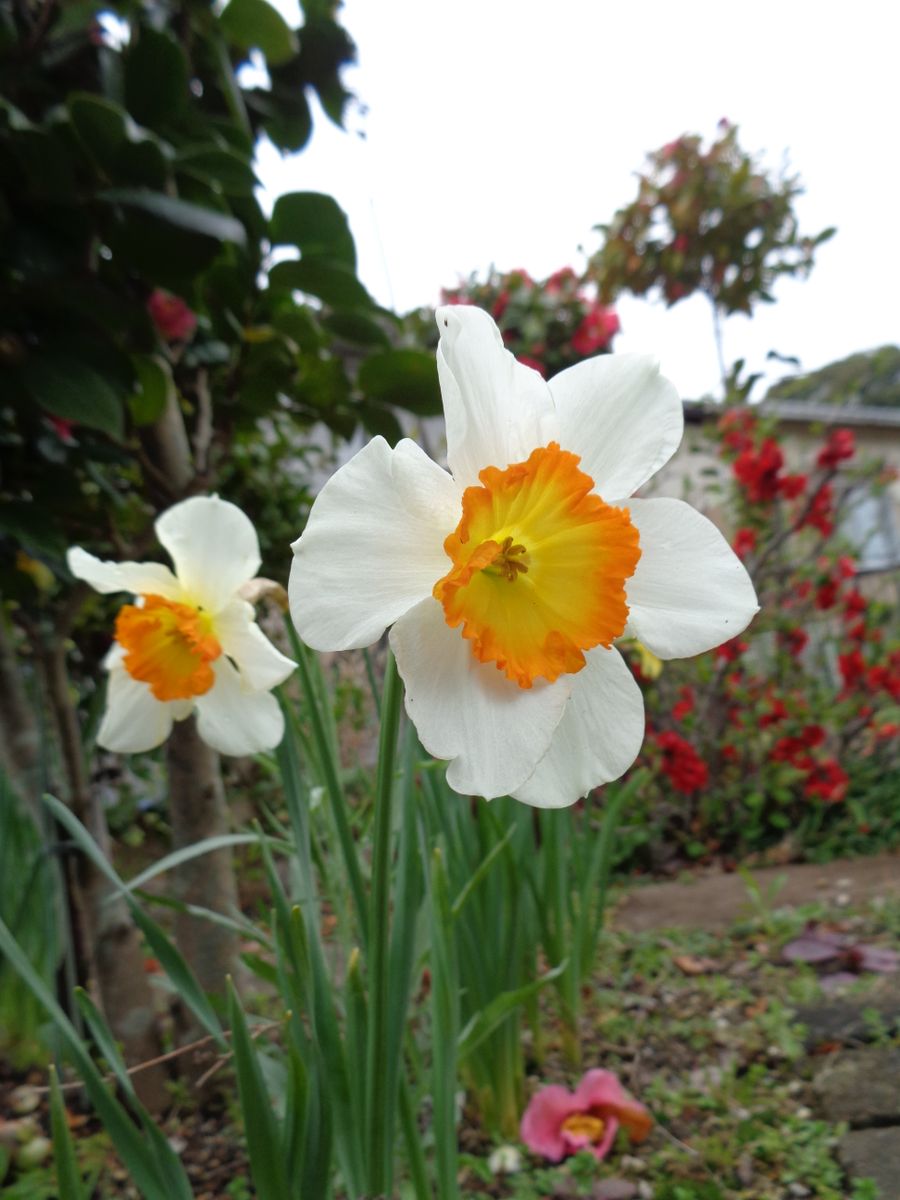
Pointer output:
405, 378
331, 282
316, 225
249, 23
69, 388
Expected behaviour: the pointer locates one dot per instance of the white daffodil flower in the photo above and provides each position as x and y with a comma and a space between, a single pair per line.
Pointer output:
508, 579
190, 642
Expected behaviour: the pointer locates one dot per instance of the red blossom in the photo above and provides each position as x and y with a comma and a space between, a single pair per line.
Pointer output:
559, 279
500, 305
744, 542
827, 780
853, 668
791, 486
846, 566
597, 329
826, 595
685, 705
855, 604
820, 514
794, 641
757, 470
731, 650
839, 447
534, 364
174, 321
682, 764
736, 426
776, 713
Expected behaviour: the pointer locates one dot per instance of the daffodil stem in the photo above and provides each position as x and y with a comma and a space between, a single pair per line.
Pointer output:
330, 777
377, 1104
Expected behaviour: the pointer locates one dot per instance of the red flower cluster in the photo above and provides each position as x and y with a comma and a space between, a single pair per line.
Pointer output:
685, 705
839, 447
820, 514
596, 331
731, 651
759, 471
744, 542
682, 764
736, 426
828, 781
795, 750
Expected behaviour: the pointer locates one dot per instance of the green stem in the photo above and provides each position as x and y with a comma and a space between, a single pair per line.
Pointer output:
330, 779
378, 1105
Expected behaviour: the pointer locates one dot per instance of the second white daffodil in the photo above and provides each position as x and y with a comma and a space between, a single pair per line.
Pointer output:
508, 580
190, 642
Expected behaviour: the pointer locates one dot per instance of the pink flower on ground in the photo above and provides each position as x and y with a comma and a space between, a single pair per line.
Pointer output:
173, 319
558, 1122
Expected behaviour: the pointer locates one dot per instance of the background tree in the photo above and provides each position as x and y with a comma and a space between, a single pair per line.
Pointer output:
706, 219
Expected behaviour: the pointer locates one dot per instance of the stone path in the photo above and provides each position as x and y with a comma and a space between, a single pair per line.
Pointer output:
858, 1080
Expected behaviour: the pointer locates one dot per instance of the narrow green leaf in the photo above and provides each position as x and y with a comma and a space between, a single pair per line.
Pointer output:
489, 1018
68, 1177
139, 1159
267, 1166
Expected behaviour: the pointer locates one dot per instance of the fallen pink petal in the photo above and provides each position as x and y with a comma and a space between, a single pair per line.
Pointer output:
558, 1122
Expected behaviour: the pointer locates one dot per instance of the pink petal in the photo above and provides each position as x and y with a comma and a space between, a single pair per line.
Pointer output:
600, 1092
540, 1128
604, 1146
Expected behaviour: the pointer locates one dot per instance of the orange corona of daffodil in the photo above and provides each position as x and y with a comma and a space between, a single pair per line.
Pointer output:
508, 580
190, 642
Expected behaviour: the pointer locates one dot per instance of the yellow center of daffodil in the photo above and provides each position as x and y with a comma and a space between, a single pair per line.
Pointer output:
539, 567
168, 646
584, 1125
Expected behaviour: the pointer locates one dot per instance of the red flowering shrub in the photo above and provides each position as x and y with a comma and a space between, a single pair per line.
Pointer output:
548, 325
791, 730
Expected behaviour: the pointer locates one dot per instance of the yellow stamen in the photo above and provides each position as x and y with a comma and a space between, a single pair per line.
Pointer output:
584, 1125
168, 646
540, 526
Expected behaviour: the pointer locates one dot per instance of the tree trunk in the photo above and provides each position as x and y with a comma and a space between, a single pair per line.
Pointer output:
197, 810
113, 945
19, 732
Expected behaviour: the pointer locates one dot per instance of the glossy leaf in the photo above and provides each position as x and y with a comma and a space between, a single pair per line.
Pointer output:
316, 224
254, 23
404, 378
69, 388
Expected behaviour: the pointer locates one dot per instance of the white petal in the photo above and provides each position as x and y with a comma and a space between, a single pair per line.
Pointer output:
598, 737
497, 410
493, 731
148, 578
373, 546
134, 719
234, 719
262, 664
690, 591
214, 548
621, 416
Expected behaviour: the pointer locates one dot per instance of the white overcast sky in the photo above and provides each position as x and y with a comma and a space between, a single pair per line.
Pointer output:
502, 131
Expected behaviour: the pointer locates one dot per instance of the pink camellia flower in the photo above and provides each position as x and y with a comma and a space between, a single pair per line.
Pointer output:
173, 319
558, 1122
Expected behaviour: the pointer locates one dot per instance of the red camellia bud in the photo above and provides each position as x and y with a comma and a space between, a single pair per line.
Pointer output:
174, 321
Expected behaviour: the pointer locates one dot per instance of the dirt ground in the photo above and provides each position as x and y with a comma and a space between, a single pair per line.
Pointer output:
715, 901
